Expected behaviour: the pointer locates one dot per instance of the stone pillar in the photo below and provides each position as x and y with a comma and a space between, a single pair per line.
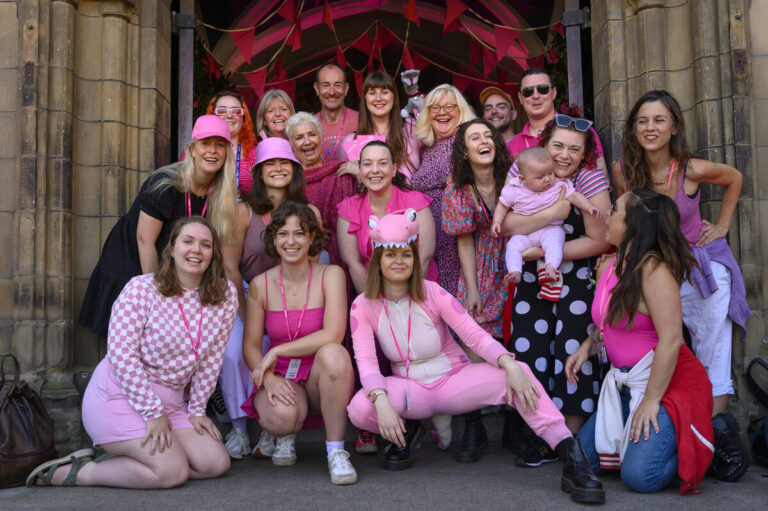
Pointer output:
699, 51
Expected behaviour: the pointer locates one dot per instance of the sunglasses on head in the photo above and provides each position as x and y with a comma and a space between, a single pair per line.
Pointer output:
565, 121
541, 88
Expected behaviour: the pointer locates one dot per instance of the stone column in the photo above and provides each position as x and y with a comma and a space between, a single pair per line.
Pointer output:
699, 51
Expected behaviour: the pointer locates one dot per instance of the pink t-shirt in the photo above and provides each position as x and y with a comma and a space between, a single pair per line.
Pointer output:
357, 209
334, 133
524, 140
523, 201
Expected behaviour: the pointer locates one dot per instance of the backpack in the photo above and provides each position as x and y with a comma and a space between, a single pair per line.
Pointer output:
757, 379
26, 430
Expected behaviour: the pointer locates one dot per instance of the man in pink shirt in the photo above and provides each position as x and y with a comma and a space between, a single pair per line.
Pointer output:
337, 120
537, 95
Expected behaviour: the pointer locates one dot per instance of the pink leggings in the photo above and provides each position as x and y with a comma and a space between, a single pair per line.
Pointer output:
469, 388
550, 238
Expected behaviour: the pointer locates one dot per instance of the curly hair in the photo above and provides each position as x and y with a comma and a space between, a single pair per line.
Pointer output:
590, 147
307, 220
652, 233
636, 170
246, 137
374, 283
399, 179
213, 285
462, 174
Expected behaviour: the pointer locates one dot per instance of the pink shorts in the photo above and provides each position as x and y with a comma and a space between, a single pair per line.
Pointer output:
109, 417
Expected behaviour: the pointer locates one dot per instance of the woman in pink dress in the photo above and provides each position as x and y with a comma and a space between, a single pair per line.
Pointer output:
302, 306
166, 340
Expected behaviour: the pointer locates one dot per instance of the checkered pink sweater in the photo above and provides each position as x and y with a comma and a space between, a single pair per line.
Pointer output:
148, 342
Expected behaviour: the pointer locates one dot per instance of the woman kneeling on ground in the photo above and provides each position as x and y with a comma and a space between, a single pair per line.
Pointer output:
653, 417
302, 306
411, 318
167, 334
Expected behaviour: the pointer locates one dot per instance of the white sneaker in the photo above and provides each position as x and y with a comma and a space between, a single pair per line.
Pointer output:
237, 444
342, 471
266, 446
285, 451
442, 431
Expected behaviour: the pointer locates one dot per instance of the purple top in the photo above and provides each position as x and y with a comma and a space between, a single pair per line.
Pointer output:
718, 250
430, 179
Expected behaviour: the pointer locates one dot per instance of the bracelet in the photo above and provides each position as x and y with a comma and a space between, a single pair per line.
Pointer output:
375, 394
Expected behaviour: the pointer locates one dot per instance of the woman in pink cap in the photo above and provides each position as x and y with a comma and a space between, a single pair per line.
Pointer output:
201, 185
410, 318
277, 177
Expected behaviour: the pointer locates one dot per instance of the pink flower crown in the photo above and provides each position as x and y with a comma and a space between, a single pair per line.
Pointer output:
394, 230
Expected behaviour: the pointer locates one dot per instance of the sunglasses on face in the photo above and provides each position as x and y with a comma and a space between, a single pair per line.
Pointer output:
222, 110
565, 121
541, 88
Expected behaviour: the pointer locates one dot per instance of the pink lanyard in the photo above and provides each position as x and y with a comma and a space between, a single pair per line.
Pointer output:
189, 202
604, 302
407, 359
195, 345
671, 171
285, 307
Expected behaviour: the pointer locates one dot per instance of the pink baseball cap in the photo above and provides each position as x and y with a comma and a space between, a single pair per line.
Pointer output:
210, 126
274, 147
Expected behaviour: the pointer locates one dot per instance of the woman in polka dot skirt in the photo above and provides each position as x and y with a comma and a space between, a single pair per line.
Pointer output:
545, 332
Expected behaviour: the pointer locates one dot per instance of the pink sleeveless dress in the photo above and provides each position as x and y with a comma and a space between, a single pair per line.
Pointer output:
275, 327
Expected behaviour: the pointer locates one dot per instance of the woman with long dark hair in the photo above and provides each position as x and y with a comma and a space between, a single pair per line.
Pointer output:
653, 417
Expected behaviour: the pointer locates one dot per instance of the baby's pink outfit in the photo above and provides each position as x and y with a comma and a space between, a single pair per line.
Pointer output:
551, 238
441, 379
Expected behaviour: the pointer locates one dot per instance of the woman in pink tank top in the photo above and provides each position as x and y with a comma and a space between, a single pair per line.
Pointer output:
302, 306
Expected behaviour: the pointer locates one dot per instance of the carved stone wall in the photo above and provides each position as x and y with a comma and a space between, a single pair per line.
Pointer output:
712, 55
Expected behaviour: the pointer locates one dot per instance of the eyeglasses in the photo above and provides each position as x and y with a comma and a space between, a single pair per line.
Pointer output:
448, 108
541, 88
222, 110
565, 121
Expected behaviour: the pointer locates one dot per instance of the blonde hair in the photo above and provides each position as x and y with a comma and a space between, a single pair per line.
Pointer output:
269, 97
424, 127
222, 199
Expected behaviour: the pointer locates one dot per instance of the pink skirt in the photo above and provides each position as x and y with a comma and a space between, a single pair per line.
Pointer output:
109, 417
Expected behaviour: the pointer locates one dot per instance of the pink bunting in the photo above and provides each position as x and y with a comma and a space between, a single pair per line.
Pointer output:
453, 10
289, 86
475, 53
411, 13
407, 60
501, 77
418, 61
288, 11
278, 69
244, 43
461, 82
505, 38
256, 80
327, 18
384, 36
359, 82
211, 66
363, 44
489, 61
296, 36
341, 60
559, 29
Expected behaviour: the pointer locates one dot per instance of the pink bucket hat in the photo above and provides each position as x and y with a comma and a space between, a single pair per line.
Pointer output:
394, 230
210, 126
274, 147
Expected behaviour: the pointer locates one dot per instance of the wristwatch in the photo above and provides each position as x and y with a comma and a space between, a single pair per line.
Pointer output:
375, 394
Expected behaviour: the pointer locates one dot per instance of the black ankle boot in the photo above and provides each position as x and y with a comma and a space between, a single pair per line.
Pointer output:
516, 434
578, 478
401, 458
475, 438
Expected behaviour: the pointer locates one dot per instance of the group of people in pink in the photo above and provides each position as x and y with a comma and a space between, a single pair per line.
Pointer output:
312, 270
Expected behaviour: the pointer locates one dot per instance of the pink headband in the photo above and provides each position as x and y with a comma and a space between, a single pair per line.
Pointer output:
394, 230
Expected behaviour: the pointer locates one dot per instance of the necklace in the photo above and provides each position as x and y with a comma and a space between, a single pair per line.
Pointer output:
668, 177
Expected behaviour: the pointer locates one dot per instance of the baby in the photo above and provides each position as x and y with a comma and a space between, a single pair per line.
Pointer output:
534, 190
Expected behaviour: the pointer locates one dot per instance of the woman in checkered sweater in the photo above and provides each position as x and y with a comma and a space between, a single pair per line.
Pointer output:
145, 403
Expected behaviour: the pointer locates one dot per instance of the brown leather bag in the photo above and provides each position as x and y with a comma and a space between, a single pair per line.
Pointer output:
26, 430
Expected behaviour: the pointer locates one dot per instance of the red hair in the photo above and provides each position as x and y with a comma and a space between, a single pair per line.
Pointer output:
247, 137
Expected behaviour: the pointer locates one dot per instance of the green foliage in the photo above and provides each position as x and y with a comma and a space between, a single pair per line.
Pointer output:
209, 79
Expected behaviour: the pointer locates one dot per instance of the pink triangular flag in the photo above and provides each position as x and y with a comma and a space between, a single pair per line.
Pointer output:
327, 18
505, 38
453, 10
340, 58
407, 60
256, 80
244, 42
359, 82
411, 13
489, 61
461, 82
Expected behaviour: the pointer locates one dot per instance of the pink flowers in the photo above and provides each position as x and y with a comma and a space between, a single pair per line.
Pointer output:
552, 57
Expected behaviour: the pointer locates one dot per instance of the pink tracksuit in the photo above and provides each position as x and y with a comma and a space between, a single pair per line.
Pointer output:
441, 377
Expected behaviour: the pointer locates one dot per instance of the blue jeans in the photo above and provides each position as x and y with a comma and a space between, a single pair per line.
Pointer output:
649, 465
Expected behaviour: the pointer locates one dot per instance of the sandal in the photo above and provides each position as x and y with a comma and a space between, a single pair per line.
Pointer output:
77, 459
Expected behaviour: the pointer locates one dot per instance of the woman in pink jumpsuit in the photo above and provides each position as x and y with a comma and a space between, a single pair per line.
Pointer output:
410, 318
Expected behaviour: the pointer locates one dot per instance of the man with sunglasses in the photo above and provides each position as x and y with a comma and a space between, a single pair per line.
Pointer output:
537, 95
337, 120
499, 110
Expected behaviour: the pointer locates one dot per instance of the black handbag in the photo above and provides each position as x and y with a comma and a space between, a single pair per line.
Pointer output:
26, 429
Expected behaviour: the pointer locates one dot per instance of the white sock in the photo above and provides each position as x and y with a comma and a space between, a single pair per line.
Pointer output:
240, 423
329, 446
